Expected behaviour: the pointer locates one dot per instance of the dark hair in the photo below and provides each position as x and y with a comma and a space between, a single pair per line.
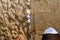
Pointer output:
50, 37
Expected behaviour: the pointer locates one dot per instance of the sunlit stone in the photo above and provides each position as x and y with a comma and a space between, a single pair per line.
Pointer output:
28, 0
28, 11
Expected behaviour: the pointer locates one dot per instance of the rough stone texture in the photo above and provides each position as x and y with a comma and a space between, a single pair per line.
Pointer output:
46, 14
13, 21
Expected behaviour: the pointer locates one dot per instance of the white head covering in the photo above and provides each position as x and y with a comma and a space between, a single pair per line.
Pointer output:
50, 30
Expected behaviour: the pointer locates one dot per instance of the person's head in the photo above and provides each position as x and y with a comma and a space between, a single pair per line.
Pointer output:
50, 34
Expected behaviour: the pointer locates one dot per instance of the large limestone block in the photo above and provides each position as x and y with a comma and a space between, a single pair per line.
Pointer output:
46, 13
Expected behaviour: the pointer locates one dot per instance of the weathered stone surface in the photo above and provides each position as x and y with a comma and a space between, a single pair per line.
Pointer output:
12, 17
46, 14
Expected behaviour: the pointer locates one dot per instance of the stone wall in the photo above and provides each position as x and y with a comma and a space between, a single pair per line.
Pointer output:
46, 14
13, 21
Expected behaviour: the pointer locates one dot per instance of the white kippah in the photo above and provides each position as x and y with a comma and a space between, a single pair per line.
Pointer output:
50, 30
